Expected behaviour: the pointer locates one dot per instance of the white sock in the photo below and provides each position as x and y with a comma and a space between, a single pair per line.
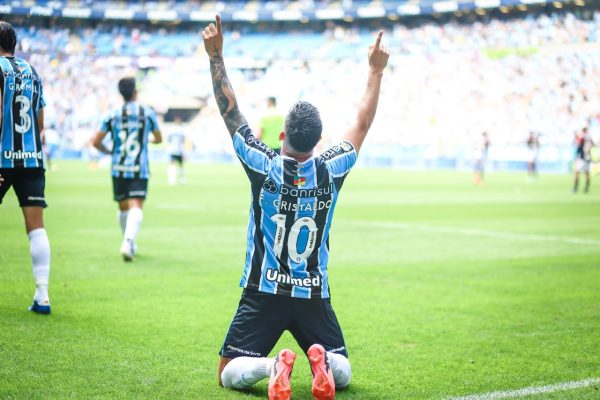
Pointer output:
123, 219
340, 367
39, 248
172, 174
243, 372
134, 221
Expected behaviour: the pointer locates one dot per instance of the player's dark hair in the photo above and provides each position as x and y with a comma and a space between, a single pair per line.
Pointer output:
303, 127
8, 37
127, 88
272, 101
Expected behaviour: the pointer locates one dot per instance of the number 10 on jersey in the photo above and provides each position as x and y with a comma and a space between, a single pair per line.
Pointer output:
292, 242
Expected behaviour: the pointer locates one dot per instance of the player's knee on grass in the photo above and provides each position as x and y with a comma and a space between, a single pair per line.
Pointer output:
243, 372
341, 369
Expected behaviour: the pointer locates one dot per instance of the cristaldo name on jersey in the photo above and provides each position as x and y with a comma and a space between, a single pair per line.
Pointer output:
283, 205
22, 155
274, 275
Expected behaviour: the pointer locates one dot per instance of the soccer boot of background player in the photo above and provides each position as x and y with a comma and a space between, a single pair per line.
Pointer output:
279, 383
128, 249
323, 386
41, 307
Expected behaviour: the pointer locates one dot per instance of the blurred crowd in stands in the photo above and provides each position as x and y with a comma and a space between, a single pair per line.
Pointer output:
447, 82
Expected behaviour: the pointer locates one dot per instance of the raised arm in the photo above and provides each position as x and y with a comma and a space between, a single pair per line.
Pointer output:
378, 57
228, 106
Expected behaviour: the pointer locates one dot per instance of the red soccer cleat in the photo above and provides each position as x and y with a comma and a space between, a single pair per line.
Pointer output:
279, 383
323, 387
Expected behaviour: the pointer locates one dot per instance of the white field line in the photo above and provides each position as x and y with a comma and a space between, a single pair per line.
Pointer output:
530, 391
479, 232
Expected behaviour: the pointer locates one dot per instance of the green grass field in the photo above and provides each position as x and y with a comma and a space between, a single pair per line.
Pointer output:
442, 288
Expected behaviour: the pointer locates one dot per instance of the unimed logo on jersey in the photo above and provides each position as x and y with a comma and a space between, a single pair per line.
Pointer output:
22, 155
274, 275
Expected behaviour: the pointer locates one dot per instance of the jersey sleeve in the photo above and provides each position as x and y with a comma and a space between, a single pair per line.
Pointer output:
153, 120
106, 123
340, 159
42, 102
253, 153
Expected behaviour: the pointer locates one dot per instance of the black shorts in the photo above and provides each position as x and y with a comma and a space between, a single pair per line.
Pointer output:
29, 185
261, 319
129, 188
178, 158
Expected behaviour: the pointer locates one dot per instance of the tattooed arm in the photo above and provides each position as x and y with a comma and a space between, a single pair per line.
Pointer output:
226, 101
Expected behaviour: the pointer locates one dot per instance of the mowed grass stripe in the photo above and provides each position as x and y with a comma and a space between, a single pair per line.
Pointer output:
479, 232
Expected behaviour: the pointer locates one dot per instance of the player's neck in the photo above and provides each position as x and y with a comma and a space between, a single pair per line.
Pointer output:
300, 157
5, 54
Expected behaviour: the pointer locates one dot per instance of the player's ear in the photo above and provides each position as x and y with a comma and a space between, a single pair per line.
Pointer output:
282, 135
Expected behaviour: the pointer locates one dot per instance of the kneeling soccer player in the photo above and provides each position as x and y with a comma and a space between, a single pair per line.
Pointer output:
285, 276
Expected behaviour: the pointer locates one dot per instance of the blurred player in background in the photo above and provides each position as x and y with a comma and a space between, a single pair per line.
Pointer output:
583, 159
483, 146
533, 147
176, 150
271, 126
285, 276
21, 155
131, 127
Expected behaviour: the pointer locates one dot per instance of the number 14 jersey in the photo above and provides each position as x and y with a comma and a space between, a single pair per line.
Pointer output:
290, 217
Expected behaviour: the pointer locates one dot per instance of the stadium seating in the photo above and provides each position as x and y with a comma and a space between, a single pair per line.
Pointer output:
447, 81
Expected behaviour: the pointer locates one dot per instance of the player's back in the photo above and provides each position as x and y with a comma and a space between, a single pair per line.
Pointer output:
130, 126
22, 99
292, 211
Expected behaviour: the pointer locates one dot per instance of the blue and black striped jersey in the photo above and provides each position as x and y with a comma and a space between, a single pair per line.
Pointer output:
129, 127
22, 99
290, 217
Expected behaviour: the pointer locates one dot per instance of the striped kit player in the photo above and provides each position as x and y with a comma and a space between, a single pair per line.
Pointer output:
22, 164
131, 127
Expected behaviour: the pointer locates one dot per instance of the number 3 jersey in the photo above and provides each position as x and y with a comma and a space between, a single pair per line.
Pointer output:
129, 127
290, 217
22, 99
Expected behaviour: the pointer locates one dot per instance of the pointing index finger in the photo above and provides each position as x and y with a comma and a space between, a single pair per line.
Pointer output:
219, 27
378, 40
